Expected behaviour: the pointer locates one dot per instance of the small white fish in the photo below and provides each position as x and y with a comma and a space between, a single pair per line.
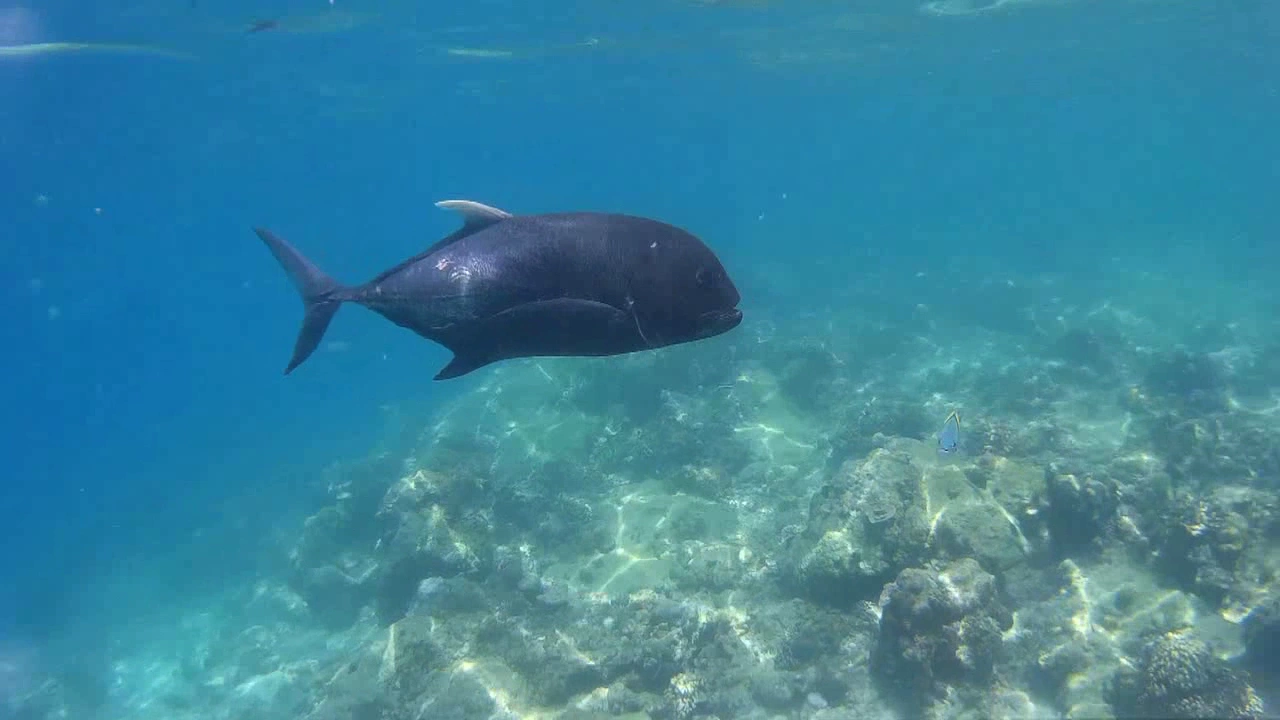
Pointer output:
949, 436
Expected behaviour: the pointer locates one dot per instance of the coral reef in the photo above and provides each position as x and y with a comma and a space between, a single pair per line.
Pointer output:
940, 634
1179, 677
762, 526
869, 521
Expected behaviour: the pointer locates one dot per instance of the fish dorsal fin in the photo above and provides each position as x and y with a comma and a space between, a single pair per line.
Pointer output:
474, 215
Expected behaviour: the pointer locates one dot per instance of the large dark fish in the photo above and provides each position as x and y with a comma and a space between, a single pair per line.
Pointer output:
262, 25
508, 286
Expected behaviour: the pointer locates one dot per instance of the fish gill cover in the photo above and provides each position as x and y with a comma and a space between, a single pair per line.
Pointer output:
1054, 216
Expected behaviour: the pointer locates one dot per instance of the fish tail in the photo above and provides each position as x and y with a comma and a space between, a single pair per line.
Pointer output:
320, 295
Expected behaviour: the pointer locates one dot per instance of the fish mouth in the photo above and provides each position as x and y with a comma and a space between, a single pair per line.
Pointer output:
716, 322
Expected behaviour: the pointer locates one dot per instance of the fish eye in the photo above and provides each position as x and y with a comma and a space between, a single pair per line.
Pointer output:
703, 277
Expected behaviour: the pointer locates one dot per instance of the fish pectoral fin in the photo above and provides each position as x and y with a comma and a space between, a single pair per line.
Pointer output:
474, 215
559, 327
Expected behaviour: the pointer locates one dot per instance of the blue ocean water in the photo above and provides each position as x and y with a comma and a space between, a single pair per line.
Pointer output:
875, 155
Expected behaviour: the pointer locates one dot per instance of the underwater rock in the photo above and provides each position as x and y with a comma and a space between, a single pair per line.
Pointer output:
673, 658
1262, 636
712, 566
336, 593
995, 304
648, 529
1085, 349
990, 438
728, 678
282, 691
692, 429
445, 596
412, 652
823, 650
354, 692
1143, 486
1052, 647
940, 635
1253, 371
628, 390
418, 542
1039, 437
416, 668
517, 465
704, 481
358, 487
675, 423
683, 696
1068, 646
991, 509
980, 530
531, 431
1178, 676
776, 691
325, 535
514, 567
1190, 381
572, 524
463, 692
333, 580
420, 488
614, 701
811, 634
766, 428
1202, 452
328, 568
1081, 509
1216, 545
631, 387
810, 375
272, 601
860, 419
865, 524
552, 663
1018, 386
26, 694
238, 658
1020, 488
579, 651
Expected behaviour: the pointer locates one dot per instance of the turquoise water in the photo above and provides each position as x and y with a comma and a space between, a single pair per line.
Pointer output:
956, 202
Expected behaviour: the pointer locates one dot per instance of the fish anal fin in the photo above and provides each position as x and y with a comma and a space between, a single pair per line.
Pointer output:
460, 365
